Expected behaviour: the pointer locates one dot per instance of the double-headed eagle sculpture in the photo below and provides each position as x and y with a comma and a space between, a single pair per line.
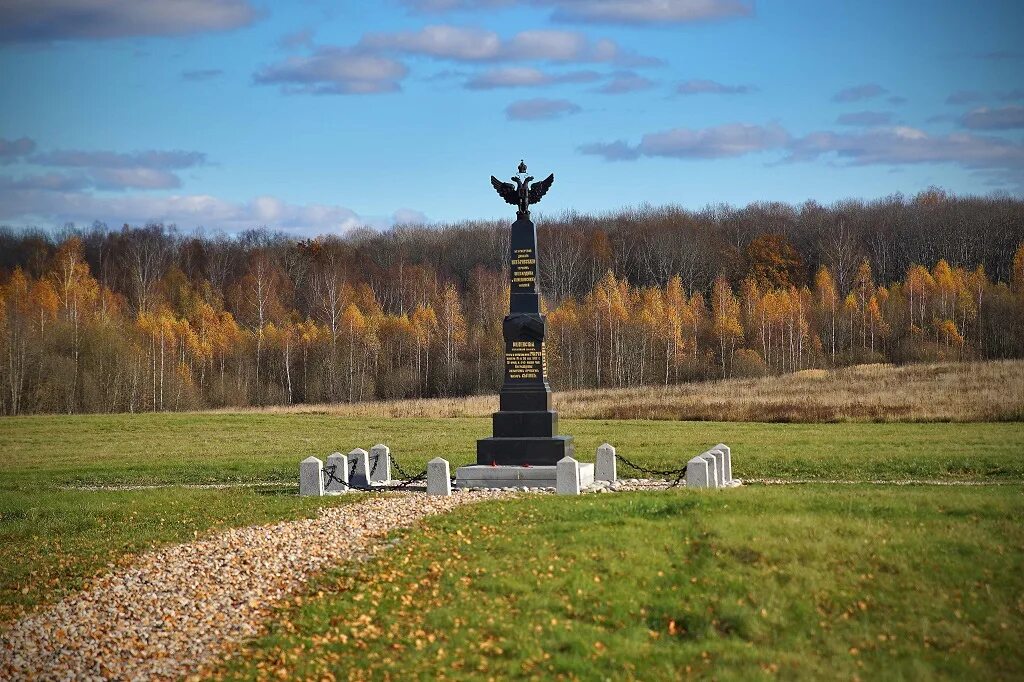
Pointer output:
522, 194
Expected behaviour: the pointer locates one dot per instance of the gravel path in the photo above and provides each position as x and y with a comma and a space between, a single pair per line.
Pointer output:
183, 606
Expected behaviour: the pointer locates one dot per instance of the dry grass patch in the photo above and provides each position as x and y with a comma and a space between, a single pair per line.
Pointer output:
959, 392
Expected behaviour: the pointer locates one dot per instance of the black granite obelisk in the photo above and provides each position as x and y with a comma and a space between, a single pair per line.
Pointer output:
525, 427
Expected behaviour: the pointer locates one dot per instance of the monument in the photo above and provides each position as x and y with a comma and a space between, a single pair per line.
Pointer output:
525, 427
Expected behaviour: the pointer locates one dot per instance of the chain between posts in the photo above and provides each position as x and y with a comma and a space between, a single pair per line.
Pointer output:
678, 474
406, 480
329, 478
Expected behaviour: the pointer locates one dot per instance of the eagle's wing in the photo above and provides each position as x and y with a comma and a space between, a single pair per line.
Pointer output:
539, 189
506, 190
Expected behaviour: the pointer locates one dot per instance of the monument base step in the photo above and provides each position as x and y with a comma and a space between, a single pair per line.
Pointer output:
536, 451
509, 476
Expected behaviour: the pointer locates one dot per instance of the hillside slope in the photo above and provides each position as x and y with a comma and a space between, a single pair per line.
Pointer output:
961, 392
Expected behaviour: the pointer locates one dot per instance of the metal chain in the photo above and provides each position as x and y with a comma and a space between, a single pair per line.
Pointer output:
407, 480
679, 474
330, 477
404, 475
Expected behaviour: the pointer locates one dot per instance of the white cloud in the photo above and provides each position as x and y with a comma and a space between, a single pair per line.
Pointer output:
480, 45
12, 150
729, 140
301, 38
649, 11
59, 182
156, 159
965, 97
409, 216
865, 118
619, 150
859, 92
447, 42
456, 5
997, 158
335, 71
624, 82
524, 76
1002, 118
707, 87
540, 109
46, 20
904, 145
733, 139
107, 170
27, 206
609, 11
133, 178
90, 185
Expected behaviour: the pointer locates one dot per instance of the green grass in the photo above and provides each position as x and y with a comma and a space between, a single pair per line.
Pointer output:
204, 448
942, 563
814, 582
52, 542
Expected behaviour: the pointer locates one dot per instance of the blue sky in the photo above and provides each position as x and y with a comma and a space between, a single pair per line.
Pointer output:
318, 116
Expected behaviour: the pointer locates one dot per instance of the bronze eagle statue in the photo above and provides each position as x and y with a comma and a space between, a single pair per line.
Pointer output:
522, 193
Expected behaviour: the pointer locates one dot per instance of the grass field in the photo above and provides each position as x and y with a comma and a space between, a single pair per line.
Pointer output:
814, 583
52, 541
956, 391
792, 550
219, 448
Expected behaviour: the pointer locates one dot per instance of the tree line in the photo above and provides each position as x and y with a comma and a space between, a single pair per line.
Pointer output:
149, 319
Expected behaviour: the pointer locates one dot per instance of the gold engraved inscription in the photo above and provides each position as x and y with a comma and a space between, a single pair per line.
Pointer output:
524, 269
525, 361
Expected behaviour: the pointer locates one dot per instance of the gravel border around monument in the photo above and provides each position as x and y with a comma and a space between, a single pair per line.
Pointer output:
179, 608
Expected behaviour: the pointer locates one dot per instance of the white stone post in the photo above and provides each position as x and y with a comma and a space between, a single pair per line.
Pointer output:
380, 463
605, 469
439, 477
719, 466
360, 475
727, 451
697, 473
567, 476
336, 472
712, 461
311, 477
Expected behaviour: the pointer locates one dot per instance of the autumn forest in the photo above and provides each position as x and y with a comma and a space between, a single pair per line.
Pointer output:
148, 318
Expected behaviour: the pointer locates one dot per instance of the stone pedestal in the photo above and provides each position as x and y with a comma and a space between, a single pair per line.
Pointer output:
336, 473
380, 463
727, 451
360, 473
486, 476
712, 461
567, 477
439, 480
311, 477
525, 428
698, 475
606, 469
719, 465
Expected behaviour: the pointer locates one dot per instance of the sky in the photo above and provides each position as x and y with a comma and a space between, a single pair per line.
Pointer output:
318, 117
